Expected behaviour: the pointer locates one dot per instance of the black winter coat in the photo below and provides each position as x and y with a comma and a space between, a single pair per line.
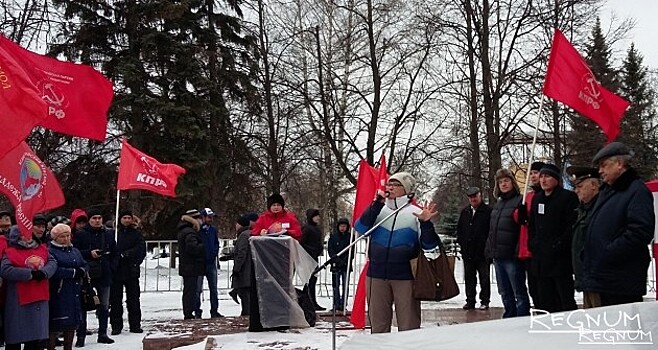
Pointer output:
311, 239
132, 251
473, 231
503, 240
550, 232
89, 239
337, 242
191, 252
241, 275
616, 254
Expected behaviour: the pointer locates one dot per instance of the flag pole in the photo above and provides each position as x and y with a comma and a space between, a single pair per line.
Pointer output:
532, 149
346, 284
116, 217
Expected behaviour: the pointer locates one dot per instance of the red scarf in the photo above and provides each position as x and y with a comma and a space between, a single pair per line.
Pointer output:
30, 291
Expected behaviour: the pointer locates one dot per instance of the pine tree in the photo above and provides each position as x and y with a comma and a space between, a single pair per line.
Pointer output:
637, 130
586, 138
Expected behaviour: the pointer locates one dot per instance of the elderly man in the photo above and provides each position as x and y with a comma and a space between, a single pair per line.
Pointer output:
586, 181
616, 253
472, 233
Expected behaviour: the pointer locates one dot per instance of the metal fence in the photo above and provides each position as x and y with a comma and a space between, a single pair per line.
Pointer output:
159, 271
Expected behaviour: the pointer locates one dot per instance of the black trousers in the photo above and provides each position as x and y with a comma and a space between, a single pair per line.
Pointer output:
472, 269
31, 345
132, 304
556, 293
245, 300
190, 296
616, 299
533, 281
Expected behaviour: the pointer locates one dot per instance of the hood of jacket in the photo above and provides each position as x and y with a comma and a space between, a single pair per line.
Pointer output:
187, 220
310, 214
76, 214
343, 221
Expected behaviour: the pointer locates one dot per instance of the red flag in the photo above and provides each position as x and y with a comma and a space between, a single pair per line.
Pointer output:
20, 100
367, 183
140, 171
29, 184
77, 97
358, 316
570, 81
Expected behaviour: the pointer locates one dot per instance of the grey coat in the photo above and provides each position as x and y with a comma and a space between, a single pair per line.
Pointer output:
28, 322
241, 276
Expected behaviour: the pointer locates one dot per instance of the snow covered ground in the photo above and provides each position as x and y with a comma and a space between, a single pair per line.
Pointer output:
166, 306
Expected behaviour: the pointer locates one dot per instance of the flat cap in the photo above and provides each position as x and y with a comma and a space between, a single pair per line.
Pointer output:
472, 191
579, 173
611, 149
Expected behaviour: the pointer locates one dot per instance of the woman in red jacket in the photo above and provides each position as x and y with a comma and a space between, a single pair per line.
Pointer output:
277, 220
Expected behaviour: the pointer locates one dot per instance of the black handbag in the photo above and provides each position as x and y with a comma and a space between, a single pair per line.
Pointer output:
89, 299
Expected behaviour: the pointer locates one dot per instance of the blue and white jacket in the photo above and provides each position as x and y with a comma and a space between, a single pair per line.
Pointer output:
398, 240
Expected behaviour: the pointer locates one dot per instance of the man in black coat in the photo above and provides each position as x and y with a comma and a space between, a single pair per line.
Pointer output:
550, 228
339, 240
472, 234
191, 261
312, 242
616, 254
132, 251
98, 248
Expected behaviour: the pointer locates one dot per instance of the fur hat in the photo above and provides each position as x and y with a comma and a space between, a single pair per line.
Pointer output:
91, 212
502, 173
194, 213
275, 198
406, 179
125, 212
39, 220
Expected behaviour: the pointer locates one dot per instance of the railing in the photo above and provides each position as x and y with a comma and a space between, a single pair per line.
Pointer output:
161, 274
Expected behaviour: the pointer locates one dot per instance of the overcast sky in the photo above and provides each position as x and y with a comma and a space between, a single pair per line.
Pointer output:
645, 33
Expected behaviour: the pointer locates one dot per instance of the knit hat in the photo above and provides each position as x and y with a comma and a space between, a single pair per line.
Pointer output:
537, 166
551, 170
125, 212
275, 198
39, 220
59, 229
91, 212
193, 213
251, 216
243, 221
406, 179
5, 213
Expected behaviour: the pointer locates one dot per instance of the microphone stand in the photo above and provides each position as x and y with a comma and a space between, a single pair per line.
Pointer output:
345, 250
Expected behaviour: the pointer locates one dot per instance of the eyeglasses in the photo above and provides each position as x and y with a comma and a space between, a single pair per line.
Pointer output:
394, 184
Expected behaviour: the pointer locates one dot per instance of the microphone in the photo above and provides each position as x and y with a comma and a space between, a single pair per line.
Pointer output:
411, 195
387, 193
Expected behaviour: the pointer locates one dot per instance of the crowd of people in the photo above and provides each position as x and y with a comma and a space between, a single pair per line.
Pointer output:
553, 242
44, 274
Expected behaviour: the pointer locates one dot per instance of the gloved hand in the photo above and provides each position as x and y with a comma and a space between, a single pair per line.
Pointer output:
38, 275
522, 214
79, 272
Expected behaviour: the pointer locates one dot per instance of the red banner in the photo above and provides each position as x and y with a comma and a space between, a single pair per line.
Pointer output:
570, 81
29, 184
140, 171
369, 180
75, 97
20, 99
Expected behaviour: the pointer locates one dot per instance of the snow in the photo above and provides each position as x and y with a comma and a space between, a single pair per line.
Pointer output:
159, 307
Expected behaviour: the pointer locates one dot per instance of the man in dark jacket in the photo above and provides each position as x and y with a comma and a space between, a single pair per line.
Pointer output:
338, 241
550, 231
616, 254
312, 242
472, 233
210, 239
586, 181
132, 251
99, 249
241, 274
191, 261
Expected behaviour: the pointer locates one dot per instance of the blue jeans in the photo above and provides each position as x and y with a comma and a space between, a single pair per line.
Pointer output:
211, 276
336, 278
510, 276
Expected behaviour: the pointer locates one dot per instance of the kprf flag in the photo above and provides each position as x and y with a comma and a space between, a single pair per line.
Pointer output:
570, 81
369, 180
29, 184
653, 187
21, 106
75, 97
140, 171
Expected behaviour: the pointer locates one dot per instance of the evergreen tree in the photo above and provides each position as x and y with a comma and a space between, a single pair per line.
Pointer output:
176, 66
638, 131
586, 138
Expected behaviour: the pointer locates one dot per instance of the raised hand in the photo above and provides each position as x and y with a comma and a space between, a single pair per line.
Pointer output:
429, 211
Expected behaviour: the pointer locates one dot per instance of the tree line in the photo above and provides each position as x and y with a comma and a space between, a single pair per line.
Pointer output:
254, 97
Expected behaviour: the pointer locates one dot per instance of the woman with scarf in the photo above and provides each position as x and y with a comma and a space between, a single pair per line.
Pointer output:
65, 305
25, 269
